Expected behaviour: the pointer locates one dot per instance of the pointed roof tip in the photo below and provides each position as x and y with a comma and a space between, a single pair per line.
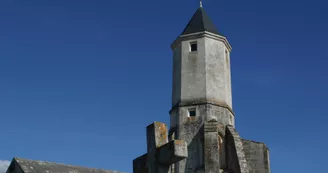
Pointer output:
200, 22
15, 159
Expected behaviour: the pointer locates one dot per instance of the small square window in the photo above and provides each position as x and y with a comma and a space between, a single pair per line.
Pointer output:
192, 113
193, 47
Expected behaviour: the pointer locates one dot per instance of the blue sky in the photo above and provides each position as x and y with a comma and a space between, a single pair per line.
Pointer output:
80, 80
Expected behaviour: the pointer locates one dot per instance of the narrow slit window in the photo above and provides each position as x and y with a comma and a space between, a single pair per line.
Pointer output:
193, 46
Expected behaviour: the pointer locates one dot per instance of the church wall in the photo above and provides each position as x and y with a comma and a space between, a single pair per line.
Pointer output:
176, 92
218, 88
257, 156
192, 71
192, 133
179, 115
207, 112
220, 114
190, 129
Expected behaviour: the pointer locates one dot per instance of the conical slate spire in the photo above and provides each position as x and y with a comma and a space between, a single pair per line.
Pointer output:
200, 22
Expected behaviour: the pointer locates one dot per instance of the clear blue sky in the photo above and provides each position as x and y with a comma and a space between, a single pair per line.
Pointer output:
80, 80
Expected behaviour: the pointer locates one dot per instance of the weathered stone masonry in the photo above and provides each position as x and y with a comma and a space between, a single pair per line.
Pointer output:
161, 153
202, 114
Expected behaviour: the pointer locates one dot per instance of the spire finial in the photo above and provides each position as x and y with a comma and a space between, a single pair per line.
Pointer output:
201, 4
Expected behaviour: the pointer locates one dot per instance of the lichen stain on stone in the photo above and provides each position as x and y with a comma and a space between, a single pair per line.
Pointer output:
162, 129
179, 142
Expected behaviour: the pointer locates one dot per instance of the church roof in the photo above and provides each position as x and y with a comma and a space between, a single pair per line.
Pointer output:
200, 22
29, 166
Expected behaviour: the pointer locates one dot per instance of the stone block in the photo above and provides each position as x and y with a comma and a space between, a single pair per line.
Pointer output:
172, 152
140, 164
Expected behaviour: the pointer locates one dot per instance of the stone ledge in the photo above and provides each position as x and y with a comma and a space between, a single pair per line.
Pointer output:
201, 34
202, 102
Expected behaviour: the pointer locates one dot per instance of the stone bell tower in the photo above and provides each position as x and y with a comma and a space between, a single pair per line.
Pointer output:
202, 137
201, 73
201, 111
201, 89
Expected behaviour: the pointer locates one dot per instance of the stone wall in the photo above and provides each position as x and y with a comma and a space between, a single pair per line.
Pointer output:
218, 85
208, 112
189, 71
203, 74
192, 133
257, 156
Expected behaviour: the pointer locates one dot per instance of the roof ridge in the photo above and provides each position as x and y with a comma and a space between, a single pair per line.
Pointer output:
31, 160
202, 14
20, 160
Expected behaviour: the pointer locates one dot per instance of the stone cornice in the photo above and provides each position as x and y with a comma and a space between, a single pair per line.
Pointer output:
199, 35
211, 127
202, 102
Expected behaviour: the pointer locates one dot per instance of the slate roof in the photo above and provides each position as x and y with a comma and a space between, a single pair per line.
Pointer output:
33, 166
200, 22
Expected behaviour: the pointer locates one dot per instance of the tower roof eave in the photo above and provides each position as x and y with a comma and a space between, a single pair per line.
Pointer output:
201, 34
